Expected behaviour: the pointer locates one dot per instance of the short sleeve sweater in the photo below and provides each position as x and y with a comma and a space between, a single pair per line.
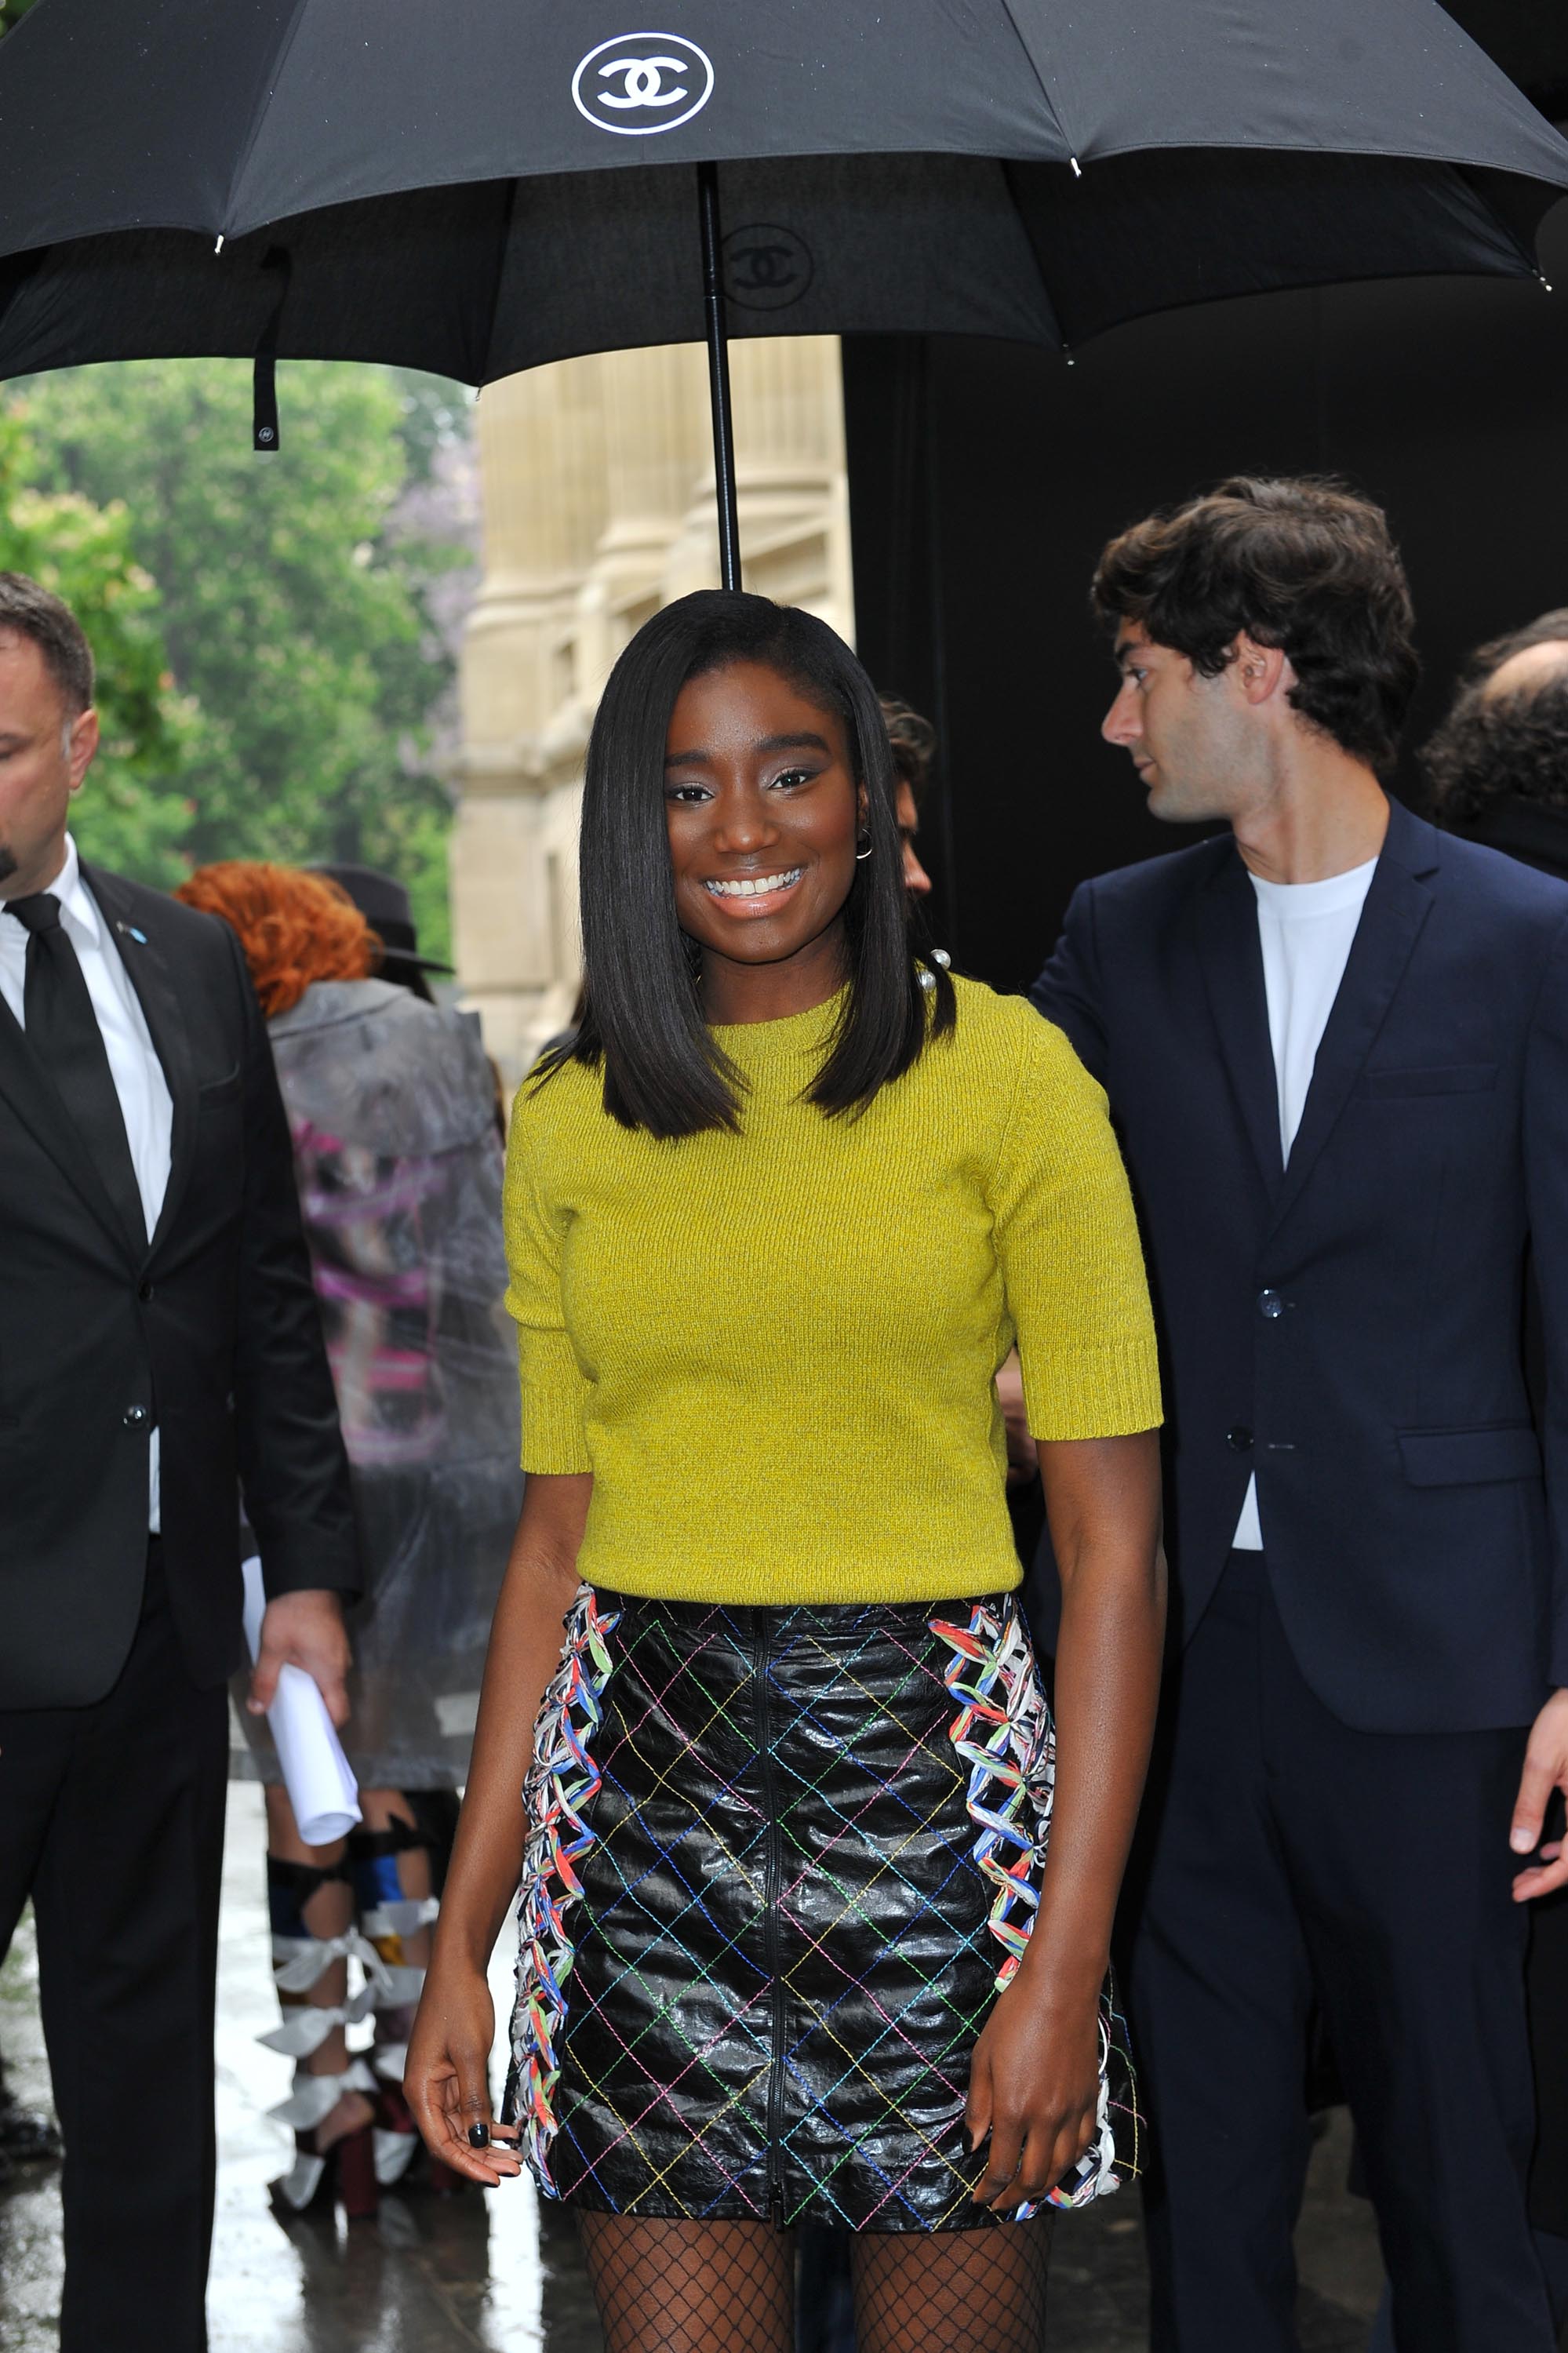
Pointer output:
775, 1350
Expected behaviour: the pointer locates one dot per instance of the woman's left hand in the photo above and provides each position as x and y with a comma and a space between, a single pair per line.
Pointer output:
1035, 2089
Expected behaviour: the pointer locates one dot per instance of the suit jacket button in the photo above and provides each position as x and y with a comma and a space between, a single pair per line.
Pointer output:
1270, 1303
1240, 1438
143, 1292
135, 1417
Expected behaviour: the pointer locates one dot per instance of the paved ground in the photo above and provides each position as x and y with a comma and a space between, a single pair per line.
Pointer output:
440, 2276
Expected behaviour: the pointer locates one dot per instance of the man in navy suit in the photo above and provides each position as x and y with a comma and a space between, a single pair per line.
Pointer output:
1336, 1044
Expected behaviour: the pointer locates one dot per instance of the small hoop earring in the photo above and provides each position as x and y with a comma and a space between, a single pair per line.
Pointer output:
866, 851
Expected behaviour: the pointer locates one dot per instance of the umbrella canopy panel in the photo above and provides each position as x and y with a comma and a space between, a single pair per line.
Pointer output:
227, 120
481, 187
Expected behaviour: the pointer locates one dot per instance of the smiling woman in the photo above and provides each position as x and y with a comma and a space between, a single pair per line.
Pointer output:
816, 1899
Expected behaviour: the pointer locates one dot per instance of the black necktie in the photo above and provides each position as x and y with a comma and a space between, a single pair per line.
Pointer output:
63, 1032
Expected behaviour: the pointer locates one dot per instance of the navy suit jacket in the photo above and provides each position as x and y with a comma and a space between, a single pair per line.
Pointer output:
1349, 1327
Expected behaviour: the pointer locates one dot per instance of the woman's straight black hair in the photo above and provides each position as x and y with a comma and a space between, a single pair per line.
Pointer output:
642, 1017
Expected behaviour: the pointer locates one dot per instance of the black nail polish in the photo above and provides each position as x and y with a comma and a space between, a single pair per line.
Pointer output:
478, 2136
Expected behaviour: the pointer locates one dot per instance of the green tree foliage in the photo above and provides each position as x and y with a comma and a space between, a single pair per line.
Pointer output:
295, 598
135, 813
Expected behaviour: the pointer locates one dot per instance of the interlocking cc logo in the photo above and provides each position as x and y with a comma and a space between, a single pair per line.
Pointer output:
642, 82
766, 266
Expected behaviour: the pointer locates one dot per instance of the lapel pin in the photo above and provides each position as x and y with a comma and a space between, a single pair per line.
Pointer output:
135, 934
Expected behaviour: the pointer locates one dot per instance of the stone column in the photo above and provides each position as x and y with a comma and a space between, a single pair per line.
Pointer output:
792, 485
542, 482
654, 404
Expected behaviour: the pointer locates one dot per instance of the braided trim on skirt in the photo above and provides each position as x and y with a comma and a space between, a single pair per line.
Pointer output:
562, 1782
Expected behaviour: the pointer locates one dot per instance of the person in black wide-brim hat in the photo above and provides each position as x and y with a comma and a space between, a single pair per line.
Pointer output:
383, 903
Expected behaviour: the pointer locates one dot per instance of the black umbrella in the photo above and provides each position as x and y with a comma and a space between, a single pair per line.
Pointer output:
479, 186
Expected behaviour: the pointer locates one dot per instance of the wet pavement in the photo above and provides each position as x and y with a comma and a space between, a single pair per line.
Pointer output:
488, 2271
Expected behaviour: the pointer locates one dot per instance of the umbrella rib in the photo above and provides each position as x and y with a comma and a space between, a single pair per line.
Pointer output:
504, 248
274, 73
1063, 133
1050, 300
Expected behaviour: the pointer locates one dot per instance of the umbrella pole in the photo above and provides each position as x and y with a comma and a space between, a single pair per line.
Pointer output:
718, 376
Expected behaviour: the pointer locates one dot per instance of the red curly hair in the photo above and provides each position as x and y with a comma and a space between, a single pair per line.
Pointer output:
293, 927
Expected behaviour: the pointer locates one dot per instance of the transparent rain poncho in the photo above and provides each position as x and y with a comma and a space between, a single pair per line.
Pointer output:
392, 1110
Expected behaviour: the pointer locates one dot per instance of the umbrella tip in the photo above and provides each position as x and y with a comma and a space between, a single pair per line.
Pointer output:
219, 247
1077, 167
1545, 281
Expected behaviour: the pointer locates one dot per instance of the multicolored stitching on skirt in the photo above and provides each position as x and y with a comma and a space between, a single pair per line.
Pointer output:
1005, 1735
562, 1782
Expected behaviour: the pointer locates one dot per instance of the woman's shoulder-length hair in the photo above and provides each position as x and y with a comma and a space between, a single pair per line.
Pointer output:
643, 1021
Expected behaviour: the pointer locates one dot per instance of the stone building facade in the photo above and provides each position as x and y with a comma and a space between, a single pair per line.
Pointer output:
597, 492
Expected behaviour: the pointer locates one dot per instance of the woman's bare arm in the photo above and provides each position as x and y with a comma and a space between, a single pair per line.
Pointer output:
1034, 2083
447, 2080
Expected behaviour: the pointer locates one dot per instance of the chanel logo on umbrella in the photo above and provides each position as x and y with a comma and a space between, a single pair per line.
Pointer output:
642, 82
766, 267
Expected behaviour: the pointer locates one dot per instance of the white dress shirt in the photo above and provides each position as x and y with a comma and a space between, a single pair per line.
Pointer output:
146, 1103
1304, 930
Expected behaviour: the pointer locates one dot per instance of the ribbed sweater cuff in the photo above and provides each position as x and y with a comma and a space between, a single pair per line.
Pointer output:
555, 1441
1107, 1392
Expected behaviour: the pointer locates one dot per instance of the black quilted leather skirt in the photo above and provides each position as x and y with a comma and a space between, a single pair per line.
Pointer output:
780, 1861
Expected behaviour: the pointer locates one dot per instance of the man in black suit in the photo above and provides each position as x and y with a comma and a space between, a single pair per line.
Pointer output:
160, 1345
1336, 1043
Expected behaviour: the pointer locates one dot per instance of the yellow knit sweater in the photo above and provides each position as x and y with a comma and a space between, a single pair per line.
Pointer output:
777, 1350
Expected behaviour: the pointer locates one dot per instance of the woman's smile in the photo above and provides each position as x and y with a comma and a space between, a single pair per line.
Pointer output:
750, 895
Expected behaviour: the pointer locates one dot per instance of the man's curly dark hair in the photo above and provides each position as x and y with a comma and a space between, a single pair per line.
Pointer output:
1492, 745
1296, 562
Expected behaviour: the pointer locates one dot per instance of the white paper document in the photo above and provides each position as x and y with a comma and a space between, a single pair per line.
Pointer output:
322, 1791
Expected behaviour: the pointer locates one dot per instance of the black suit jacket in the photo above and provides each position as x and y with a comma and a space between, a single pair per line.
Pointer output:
211, 1331
1349, 1328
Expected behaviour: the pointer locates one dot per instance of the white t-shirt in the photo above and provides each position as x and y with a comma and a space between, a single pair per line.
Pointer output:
1304, 930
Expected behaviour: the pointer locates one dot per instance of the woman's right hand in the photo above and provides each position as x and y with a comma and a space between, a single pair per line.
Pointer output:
447, 2080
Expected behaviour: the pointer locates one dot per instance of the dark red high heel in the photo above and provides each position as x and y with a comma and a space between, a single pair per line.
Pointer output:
410, 2166
358, 2191
315, 2185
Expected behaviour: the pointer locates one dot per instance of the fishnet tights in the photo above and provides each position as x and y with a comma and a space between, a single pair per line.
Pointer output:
729, 2287
971, 2291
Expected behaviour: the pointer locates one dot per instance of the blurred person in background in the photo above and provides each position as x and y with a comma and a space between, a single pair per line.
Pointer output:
1499, 770
1498, 764
160, 1349
913, 742
390, 1106
386, 906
